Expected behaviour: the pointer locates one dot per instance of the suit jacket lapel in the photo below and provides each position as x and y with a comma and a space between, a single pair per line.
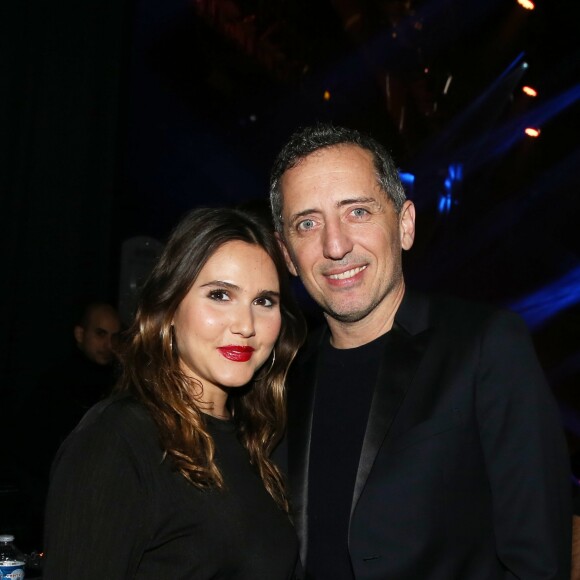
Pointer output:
404, 348
300, 411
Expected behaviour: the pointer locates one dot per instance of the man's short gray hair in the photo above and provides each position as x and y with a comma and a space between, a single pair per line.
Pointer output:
307, 140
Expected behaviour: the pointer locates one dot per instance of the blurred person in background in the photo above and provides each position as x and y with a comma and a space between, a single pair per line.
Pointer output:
63, 393
67, 390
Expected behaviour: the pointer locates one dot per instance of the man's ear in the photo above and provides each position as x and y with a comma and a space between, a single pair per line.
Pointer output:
79, 333
289, 263
407, 225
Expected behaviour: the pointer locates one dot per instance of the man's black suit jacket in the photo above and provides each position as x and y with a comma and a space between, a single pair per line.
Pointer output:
464, 471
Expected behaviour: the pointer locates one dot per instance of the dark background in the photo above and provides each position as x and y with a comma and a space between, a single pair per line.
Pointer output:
118, 117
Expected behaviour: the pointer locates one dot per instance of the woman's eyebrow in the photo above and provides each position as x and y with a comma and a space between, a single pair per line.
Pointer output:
221, 283
273, 293
230, 285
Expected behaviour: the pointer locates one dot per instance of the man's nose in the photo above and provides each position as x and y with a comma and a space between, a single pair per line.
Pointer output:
336, 243
243, 321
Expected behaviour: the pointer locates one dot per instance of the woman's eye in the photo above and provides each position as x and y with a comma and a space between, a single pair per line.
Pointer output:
220, 295
264, 301
305, 225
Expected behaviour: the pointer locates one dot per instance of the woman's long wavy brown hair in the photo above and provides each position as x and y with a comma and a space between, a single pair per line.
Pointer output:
151, 370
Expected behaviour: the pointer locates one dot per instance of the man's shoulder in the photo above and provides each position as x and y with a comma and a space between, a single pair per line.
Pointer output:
449, 311
76, 371
421, 310
457, 321
452, 319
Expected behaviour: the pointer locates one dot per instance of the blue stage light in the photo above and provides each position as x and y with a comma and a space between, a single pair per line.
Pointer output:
543, 304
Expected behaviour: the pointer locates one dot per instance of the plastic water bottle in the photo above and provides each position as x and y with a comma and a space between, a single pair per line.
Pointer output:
12, 561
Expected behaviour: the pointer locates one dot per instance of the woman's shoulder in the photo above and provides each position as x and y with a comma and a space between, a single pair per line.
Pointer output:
115, 439
118, 408
119, 415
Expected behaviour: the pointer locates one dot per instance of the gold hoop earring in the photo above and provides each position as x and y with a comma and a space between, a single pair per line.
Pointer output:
263, 374
273, 361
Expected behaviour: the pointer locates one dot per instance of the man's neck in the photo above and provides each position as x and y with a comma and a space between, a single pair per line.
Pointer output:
375, 324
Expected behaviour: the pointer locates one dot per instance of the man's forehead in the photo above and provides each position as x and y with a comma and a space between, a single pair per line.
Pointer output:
104, 319
339, 161
344, 150
104, 329
299, 200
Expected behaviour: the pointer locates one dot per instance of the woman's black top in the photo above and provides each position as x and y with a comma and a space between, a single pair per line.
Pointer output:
116, 509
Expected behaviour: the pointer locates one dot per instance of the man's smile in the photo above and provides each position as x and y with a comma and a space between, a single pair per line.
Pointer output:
347, 274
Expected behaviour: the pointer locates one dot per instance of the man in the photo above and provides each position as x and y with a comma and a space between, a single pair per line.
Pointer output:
67, 390
97, 333
423, 440
84, 377
61, 397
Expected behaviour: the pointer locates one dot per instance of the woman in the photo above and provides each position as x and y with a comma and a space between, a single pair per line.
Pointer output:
171, 477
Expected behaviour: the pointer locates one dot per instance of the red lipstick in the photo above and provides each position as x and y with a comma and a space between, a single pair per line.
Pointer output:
237, 353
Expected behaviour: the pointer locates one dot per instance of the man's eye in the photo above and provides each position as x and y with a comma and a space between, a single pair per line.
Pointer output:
359, 212
305, 225
219, 295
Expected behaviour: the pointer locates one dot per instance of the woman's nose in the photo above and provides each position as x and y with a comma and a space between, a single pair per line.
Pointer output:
243, 322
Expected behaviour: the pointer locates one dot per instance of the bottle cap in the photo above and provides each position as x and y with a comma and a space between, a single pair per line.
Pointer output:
6, 538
